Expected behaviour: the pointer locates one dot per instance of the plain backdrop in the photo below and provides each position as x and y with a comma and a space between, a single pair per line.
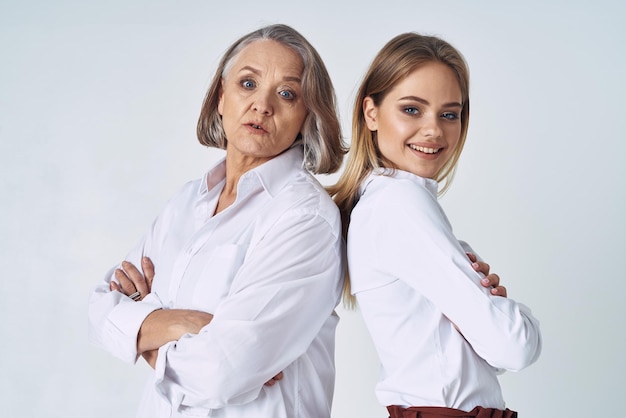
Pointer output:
98, 108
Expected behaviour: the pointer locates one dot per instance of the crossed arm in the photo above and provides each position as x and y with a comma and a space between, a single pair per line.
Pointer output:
163, 325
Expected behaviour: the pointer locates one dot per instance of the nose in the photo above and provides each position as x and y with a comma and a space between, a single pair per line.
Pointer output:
263, 103
432, 127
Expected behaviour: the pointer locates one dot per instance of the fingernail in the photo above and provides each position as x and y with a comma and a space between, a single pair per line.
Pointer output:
144, 260
475, 265
485, 281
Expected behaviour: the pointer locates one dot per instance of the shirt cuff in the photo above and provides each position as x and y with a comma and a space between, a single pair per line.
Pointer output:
127, 318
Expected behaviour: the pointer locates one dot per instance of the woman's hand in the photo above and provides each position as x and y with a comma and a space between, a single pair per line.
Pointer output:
150, 357
132, 282
163, 325
274, 379
490, 280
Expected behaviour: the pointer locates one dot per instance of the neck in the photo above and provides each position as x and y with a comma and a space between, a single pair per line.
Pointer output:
236, 166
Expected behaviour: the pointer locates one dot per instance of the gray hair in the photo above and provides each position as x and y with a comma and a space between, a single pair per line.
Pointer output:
321, 137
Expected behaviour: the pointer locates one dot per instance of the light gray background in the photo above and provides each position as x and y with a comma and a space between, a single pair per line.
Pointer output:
98, 106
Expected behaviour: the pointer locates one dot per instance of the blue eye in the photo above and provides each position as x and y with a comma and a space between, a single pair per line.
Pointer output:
411, 110
286, 94
450, 115
248, 84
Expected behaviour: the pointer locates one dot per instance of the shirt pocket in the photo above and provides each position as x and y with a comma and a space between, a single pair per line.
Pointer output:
217, 276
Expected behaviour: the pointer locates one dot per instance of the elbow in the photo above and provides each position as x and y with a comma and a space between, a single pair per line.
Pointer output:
520, 344
520, 361
520, 352
212, 395
216, 392
204, 387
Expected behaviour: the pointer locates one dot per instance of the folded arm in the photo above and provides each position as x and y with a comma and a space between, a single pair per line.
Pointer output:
280, 298
500, 330
161, 326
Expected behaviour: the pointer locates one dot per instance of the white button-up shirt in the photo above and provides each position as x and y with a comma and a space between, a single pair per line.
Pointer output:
269, 268
413, 282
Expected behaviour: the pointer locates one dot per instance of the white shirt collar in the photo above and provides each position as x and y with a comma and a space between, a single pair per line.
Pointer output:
271, 175
429, 184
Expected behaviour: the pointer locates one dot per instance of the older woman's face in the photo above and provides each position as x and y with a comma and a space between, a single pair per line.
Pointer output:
261, 102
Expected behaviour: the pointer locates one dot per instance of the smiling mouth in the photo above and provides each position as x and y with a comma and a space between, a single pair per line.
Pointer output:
425, 150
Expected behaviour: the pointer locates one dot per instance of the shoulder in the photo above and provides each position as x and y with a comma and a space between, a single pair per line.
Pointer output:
188, 191
396, 205
191, 186
303, 197
397, 193
305, 191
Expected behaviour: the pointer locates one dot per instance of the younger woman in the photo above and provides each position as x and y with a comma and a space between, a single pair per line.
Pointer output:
441, 337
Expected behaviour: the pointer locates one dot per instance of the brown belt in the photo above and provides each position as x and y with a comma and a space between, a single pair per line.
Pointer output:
441, 412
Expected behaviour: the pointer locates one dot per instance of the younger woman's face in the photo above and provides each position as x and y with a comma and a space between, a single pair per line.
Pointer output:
418, 123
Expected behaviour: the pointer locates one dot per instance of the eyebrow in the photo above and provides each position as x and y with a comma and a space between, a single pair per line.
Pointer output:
258, 72
424, 101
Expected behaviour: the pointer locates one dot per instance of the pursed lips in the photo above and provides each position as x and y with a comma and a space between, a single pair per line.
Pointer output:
256, 126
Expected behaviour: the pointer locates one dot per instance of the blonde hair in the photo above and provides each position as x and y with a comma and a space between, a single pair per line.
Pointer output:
396, 60
321, 137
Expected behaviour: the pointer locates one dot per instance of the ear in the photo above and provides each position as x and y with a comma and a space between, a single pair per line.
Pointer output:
220, 102
370, 111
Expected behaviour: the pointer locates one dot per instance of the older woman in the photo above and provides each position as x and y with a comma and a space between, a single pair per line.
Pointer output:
248, 259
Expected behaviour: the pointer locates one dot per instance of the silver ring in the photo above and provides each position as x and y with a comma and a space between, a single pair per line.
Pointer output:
135, 296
